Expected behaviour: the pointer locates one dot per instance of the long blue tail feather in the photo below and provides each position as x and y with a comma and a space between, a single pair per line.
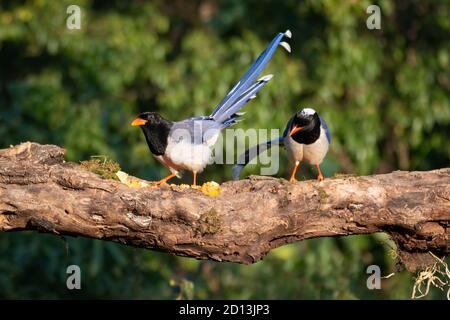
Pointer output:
244, 98
221, 113
252, 153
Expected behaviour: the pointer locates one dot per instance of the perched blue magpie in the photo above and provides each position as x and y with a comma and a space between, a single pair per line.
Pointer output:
186, 144
306, 137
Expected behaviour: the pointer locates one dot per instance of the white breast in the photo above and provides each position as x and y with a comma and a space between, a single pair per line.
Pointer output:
315, 152
187, 156
294, 149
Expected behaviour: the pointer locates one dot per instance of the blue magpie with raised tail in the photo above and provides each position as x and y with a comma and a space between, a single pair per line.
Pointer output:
306, 137
186, 144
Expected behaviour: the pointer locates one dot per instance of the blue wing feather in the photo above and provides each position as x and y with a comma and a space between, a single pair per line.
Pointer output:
288, 126
325, 127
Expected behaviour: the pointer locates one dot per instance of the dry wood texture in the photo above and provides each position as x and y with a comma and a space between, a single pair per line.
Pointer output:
40, 191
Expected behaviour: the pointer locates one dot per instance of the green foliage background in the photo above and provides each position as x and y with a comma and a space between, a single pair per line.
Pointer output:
384, 93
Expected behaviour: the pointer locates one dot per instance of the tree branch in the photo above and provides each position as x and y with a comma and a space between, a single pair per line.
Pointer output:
40, 191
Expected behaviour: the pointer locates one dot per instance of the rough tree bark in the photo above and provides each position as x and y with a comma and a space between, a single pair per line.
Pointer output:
40, 191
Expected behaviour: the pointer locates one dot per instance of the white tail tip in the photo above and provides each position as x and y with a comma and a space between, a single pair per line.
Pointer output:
266, 78
253, 96
288, 33
286, 46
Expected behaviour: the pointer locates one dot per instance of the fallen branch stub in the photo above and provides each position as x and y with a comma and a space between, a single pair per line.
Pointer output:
39, 191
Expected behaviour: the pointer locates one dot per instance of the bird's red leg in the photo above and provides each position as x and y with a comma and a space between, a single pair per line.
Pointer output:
164, 180
195, 178
319, 173
294, 171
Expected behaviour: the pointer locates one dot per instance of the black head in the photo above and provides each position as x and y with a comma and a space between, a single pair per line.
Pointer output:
304, 127
148, 119
156, 130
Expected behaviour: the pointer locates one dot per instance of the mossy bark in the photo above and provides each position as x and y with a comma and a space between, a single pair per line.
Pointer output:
40, 191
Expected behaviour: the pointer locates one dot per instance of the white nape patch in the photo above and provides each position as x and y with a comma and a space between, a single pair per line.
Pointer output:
308, 111
266, 78
286, 46
288, 33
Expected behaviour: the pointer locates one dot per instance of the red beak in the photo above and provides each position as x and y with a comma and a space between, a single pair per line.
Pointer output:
138, 122
294, 130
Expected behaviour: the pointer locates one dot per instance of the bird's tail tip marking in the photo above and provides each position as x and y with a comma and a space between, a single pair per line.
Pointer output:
266, 78
286, 46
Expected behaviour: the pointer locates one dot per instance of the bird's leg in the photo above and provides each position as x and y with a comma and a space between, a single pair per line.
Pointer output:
194, 173
319, 173
164, 180
294, 171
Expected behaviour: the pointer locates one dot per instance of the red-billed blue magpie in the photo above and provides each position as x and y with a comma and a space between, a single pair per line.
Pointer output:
186, 144
306, 137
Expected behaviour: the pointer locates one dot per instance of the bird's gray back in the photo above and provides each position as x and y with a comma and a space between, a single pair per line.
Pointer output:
197, 130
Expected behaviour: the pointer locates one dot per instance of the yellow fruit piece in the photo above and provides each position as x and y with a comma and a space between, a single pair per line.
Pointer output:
132, 182
211, 189
123, 177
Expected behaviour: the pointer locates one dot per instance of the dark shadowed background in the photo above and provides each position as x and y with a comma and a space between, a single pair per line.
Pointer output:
384, 94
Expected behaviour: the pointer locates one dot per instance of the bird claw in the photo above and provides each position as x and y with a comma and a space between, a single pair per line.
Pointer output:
155, 183
320, 178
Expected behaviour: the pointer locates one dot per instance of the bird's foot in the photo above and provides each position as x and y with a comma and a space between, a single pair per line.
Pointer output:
319, 173
154, 184
195, 186
211, 189
159, 183
294, 171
